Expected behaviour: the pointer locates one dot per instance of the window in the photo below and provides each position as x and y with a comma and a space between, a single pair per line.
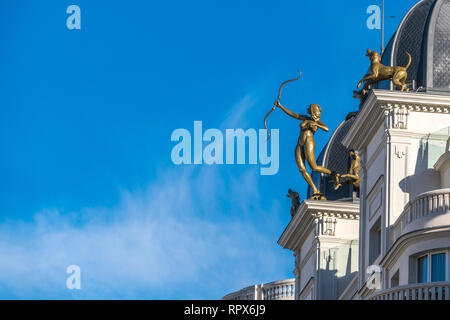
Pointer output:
422, 269
438, 267
431, 266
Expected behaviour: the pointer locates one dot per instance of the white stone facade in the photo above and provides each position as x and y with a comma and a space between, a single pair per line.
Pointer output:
404, 184
324, 238
402, 214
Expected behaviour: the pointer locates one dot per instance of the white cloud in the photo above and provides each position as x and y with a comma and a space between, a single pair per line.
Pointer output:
237, 115
169, 241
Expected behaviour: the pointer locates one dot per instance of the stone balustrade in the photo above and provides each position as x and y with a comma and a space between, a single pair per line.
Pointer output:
420, 291
277, 290
428, 204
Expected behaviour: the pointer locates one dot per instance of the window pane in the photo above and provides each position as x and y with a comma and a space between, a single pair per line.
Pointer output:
422, 269
438, 267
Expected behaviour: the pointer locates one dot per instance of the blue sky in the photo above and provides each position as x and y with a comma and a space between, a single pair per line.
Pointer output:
86, 116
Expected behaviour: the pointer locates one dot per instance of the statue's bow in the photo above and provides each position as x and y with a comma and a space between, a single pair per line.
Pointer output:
275, 105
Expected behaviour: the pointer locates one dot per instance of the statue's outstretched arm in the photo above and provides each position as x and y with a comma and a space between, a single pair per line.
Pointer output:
290, 113
322, 126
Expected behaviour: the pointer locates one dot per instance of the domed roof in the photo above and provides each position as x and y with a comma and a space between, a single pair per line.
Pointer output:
425, 33
335, 157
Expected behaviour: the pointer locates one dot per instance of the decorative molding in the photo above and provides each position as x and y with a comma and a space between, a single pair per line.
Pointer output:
373, 189
320, 215
400, 151
329, 255
400, 116
326, 225
329, 226
430, 109
306, 218
306, 258
393, 107
296, 270
415, 101
396, 133
401, 111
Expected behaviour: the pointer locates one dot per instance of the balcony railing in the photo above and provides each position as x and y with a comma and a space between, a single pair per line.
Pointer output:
430, 203
277, 290
421, 291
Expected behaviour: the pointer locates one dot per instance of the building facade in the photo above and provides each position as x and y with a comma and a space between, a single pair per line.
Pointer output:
391, 238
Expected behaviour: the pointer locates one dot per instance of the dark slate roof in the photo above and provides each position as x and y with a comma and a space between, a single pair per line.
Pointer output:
441, 47
425, 33
335, 157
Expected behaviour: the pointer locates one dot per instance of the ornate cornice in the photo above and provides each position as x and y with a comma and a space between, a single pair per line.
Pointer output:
416, 135
339, 215
426, 102
309, 214
394, 108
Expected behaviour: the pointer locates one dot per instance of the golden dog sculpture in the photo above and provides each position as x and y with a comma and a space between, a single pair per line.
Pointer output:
380, 72
352, 177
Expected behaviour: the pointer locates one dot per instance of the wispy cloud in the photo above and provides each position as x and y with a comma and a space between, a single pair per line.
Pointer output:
168, 241
237, 117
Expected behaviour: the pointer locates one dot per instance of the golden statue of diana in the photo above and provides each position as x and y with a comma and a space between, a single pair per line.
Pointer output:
305, 149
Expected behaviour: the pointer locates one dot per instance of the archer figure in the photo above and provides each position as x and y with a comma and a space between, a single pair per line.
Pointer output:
305, 149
